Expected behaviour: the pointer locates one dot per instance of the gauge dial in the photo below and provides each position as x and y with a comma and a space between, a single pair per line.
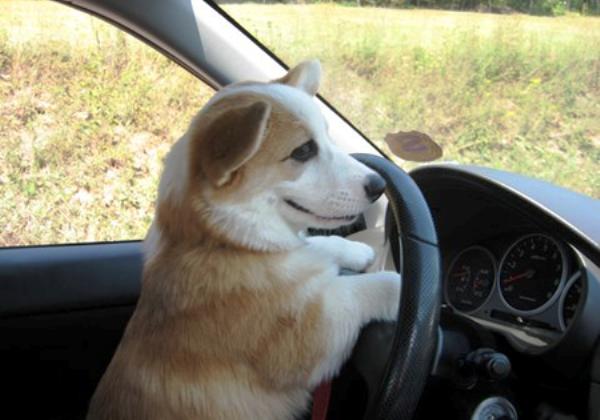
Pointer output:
570, 301
470, 279
531, 273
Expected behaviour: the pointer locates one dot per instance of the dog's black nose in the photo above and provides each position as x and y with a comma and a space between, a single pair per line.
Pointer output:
374, 187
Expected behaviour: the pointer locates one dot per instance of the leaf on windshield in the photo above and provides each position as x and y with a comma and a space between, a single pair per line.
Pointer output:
413, 146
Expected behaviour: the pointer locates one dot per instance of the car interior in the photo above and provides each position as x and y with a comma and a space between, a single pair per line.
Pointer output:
503, 292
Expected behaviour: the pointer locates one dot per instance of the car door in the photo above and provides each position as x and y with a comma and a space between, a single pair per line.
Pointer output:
87, 113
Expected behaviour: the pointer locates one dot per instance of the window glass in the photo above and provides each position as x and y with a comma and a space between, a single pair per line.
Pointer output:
87, 113
507, 90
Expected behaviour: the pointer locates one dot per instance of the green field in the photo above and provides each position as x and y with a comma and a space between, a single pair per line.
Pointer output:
515, 92
87, 113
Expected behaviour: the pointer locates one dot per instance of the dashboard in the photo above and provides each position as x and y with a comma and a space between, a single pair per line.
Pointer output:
519, 267
521, 280
519, 330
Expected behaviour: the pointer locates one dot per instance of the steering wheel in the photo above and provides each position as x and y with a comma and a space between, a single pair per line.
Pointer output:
395, 359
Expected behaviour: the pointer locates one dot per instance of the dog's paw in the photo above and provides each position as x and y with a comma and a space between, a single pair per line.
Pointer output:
352, 255
356, 256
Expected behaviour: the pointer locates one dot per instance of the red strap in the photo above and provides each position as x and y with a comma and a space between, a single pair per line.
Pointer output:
321, 401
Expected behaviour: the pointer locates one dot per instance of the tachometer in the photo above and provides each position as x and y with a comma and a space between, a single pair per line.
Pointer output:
532, 273
470, 279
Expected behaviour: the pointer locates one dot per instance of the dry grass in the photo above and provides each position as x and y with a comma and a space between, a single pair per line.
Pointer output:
87, 113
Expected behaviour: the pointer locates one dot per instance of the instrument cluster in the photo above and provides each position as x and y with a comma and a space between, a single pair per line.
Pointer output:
533, 285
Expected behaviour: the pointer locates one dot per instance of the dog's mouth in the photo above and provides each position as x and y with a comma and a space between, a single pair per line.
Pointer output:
298, 207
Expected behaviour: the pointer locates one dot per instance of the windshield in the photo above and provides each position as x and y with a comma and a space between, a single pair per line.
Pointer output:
511, 91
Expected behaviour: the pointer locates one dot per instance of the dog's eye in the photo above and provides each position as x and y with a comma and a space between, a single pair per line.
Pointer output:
305, 152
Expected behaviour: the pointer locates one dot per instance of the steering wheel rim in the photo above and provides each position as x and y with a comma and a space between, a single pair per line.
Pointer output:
395, 359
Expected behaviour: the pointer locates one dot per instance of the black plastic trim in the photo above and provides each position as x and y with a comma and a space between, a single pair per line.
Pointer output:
63, 278
571, 216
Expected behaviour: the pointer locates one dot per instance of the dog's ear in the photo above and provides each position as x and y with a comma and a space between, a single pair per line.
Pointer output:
231, 139
305, 76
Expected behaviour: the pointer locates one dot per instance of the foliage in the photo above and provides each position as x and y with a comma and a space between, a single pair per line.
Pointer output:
87, 113
513, 92
535, 7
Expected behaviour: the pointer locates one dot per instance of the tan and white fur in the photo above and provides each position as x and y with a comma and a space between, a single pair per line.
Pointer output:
240, 315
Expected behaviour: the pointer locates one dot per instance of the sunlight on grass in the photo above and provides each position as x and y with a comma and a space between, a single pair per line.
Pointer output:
515, 92
87, 112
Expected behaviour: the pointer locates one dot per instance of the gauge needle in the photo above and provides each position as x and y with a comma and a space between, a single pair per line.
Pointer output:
516, 277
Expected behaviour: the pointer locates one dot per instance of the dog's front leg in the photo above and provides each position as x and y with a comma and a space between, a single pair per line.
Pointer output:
353, 255
349, 303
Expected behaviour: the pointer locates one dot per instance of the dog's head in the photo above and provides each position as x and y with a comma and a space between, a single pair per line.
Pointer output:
257, 166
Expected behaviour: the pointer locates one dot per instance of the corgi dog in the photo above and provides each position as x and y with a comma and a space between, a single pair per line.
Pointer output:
240, 314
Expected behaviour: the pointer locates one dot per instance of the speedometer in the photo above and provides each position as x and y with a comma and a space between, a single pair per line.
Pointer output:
532, 273
470, 279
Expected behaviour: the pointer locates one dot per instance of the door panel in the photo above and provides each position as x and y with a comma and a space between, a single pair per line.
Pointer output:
63, 310
64, 278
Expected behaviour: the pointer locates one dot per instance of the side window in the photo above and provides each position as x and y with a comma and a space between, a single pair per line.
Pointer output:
87, 114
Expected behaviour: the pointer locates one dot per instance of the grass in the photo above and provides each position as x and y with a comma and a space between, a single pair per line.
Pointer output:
86, 116
519, 93
87, 113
